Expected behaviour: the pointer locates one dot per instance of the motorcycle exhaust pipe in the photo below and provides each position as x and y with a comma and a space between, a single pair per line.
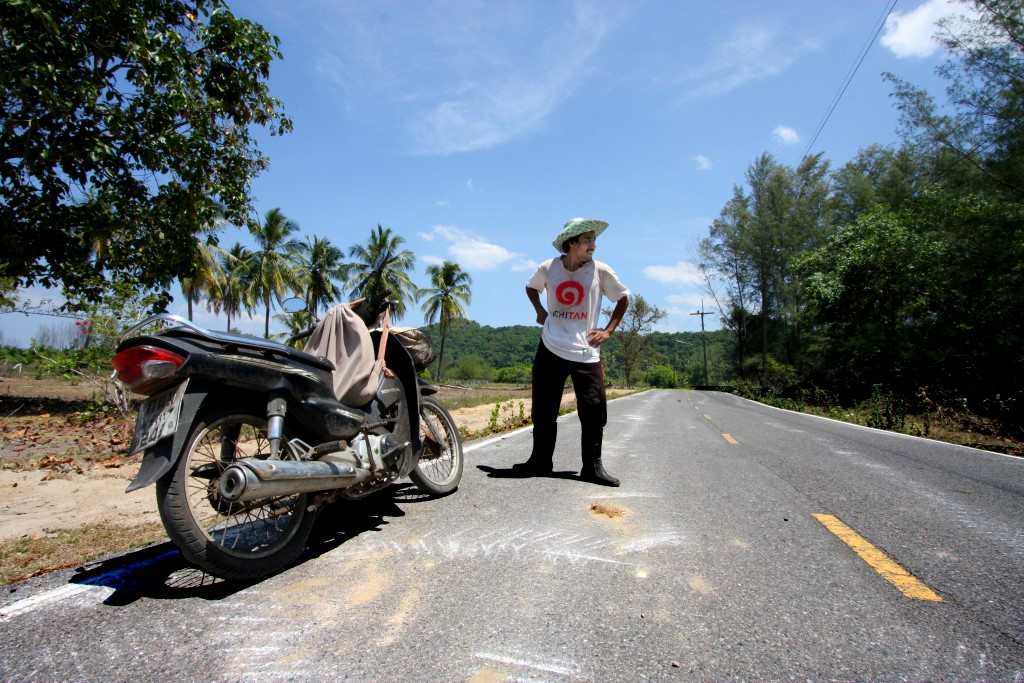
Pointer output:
253, 478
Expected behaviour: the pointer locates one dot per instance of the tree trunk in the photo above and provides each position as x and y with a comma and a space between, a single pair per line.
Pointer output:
228, 311
440, 357
266, 320
764, 330
188, 297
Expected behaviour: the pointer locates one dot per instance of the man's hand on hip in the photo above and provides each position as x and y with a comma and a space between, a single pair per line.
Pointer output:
598, 337
542, 315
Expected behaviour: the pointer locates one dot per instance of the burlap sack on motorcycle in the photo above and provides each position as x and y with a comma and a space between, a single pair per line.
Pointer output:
417, 343
342, 338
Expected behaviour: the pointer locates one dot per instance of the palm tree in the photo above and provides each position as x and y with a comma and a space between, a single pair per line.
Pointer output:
380, 270
321, 266
205, 275
445, 300
273, 264
294, 323
236, 269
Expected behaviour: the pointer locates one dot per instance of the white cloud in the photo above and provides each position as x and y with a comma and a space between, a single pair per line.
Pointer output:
786, 135
461, 75
703, 163
473, 252
469, 184
441, 203
750, 53
683, 273
432, 260
912, 33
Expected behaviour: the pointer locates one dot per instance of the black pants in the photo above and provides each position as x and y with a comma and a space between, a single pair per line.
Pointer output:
549, 373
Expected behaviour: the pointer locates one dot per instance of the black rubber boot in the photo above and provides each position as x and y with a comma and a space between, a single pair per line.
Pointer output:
534, 467
593, 471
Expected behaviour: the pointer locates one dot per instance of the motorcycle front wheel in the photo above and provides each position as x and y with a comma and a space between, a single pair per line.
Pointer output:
238, 541
439, 469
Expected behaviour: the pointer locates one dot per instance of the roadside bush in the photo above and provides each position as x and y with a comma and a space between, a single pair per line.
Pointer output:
662, 376
515, 374
777, 377
886, 410
471, 367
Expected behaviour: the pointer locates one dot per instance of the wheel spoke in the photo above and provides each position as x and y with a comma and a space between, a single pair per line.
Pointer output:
245, 529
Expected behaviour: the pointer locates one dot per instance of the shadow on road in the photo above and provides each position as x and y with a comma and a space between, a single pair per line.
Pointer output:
495, 473
161, 572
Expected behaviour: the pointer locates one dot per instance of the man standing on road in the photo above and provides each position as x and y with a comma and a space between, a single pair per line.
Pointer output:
570, 346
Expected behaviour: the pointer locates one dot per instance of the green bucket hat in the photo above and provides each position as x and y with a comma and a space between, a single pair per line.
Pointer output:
578, 226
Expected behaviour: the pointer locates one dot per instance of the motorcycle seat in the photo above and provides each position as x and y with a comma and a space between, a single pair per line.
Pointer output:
256, 343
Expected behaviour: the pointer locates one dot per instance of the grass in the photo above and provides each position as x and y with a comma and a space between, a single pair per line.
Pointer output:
61, 548
960, 429
454, 398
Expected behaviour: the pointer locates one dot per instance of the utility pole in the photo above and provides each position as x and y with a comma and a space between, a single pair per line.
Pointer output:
703, 342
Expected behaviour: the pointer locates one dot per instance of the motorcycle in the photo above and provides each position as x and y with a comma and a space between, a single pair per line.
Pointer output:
246, 440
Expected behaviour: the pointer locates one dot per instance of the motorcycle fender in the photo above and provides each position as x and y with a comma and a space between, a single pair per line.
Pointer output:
161, 457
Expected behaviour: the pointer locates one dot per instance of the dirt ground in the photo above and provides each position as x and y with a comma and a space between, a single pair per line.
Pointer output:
60, 469
47, 388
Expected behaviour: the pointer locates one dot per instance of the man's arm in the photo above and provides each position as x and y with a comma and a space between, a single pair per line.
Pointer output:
534, 296
598, 337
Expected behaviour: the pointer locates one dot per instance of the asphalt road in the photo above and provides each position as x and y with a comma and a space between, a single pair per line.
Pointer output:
708, 563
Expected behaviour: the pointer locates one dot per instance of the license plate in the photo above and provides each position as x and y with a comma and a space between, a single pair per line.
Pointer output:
158, 418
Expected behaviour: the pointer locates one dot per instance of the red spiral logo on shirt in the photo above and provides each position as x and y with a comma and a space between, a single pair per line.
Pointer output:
569, 293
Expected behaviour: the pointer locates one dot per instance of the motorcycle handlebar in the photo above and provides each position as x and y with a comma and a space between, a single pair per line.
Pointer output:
301, 335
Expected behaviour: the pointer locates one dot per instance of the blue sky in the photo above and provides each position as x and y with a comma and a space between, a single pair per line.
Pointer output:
476, 129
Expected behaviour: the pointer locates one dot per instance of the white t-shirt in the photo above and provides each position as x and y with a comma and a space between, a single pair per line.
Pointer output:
574, 305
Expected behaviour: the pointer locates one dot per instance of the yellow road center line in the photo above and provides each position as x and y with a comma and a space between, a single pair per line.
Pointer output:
728, 437
707, 417
890, 570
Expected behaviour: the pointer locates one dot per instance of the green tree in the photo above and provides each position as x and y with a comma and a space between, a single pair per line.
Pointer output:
380, 270
295, 323
8, 291
127, 123
320, 265
872, 287
636, 325
662, 376
724, 254
273, 271
236, 272
206, 276
449, 293
983, 133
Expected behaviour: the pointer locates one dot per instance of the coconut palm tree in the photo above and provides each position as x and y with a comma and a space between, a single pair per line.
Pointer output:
205, 277
320, 265
381, 270
273, 263
294, 323
236, 270
445, 299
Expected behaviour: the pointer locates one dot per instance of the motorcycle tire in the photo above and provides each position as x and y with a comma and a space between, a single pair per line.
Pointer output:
212, 543
439, 469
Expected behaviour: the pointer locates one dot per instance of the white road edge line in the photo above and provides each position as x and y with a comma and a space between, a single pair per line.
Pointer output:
56, 595
880, 431
69, 590
494, 439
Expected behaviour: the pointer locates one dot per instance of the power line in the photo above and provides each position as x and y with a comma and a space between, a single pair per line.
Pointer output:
849, 77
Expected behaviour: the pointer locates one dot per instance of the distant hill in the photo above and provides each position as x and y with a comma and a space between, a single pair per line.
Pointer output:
515, 345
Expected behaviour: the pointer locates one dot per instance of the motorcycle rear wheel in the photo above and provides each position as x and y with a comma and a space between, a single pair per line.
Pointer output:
439, 469
230, 540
